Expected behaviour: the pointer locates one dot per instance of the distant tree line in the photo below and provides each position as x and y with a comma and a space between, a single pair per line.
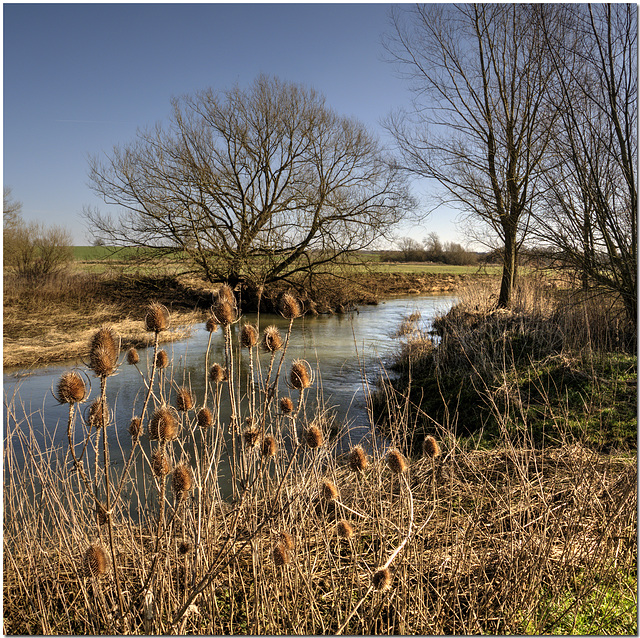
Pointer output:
432, 249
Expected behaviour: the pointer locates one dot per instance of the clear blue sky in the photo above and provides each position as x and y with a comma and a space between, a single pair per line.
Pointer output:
80, 78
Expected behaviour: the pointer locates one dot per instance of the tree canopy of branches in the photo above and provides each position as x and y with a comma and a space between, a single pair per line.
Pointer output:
478, 126
591, 202
253, 186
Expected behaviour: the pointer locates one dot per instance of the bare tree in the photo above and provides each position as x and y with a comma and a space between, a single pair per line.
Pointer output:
478, 127
590, 216
253, 185
11, 209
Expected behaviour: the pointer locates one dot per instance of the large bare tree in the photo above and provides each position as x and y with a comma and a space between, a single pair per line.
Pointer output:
478, 126
591, 205
254, 185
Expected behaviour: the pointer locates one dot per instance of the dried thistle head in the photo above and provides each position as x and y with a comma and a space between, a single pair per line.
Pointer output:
71, 388
103, 352
269, 446
248, 336
135, 427
98, 414
182, 481
430, 447
381, 579
286, 405
184, 547
396, 462
358, 460
160, 463
163, 424
162, 359
289, 306
299, 376
328, 491
281, 555
132, 356
271, 339
212, 324
345, 529
217, 373
204, 418
95, 561
184, 399
313, 436
250, 436
157, 317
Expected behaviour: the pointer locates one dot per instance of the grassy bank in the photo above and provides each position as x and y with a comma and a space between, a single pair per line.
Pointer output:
378, 539
50, 321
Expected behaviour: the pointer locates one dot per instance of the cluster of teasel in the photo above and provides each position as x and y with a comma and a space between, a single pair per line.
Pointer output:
164, 424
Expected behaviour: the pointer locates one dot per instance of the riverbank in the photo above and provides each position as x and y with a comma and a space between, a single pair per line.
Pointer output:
53, 321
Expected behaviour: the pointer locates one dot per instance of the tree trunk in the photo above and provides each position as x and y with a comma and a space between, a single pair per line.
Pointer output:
509, 269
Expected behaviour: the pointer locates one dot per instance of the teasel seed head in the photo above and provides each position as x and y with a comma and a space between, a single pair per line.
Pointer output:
98, 414
271, 339
281, 555
204, 418
225, 312
287, 540
251, 436
163, 424
345, 529
313, 436
160, 463
95, 561
328, 491
299, 376
217, 373
269, 446
103, 352
430, 447
248, 336
289, 306
135, 427
101, 516
157, 317
162, 359
182, 481
71, 388
212, 324
286, 405
381, 579
396, 462
132, 356
184, 399
184, 547
225, 293
358, 460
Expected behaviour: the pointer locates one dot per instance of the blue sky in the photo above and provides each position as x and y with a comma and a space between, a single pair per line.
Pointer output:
81, 78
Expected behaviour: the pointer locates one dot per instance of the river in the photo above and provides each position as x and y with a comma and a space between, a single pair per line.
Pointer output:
341, 349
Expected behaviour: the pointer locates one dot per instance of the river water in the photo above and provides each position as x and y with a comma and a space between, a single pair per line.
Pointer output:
341, 349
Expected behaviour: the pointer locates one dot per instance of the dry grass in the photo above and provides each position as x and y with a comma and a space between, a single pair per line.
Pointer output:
474, 541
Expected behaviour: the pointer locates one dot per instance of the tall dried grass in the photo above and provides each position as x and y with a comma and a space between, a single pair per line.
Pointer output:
303, 539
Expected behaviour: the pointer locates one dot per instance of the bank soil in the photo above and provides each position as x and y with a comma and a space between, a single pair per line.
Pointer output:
53, 322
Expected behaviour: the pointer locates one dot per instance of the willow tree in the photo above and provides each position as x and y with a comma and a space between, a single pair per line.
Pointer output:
478, 126
252, 185
590, 217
